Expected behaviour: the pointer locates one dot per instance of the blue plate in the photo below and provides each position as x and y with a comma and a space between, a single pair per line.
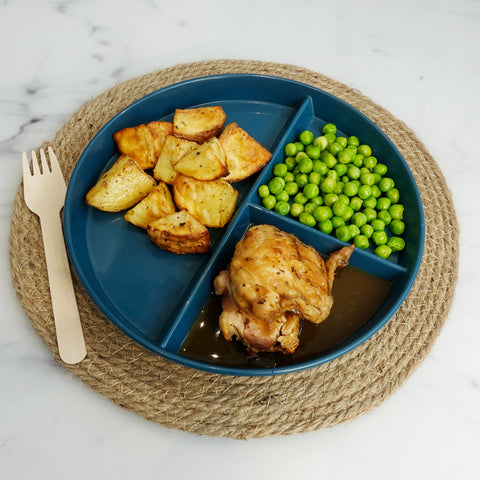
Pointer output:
155, 297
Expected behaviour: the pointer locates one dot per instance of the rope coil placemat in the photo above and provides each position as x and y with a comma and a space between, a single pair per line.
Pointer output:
245, 407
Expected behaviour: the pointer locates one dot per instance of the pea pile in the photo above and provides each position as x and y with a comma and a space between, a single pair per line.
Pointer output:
335, 184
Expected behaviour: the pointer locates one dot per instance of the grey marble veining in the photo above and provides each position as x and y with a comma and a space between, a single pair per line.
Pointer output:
418, 59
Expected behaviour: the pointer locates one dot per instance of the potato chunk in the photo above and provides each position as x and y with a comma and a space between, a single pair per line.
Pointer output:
121, 187
198, 124
245, 155
137, 143
159, 131
156, 204
210, 202
173, 150
179, 233
207, 162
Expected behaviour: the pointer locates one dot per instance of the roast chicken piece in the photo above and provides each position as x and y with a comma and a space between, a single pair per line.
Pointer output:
272, 282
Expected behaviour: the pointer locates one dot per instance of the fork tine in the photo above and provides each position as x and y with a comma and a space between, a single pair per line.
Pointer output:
26, 166
35, 165
53, 160
45, 166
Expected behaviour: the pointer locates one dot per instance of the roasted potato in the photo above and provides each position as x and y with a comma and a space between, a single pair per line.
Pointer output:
159, 131
198, 124
245, 155
121, 187
179, 233
137, 143
210, 202
156, 204
207, 162
173, 150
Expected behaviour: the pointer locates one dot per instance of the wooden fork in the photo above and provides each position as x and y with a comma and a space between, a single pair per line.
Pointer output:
44, 190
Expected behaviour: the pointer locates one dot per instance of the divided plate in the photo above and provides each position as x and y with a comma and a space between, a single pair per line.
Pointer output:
154, 296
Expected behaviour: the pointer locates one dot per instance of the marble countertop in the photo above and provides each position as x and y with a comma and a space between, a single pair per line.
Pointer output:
418, 59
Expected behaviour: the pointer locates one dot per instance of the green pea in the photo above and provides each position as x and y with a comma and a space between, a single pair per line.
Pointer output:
350, 189
276, 185
343, 141
338, 188
289, 177
370, 213
345, 156
348, 214
306, 137
290, 149
305, 165
397, 227
307, 219
380, 168
311, 190
280, 169
322, 213
365, 191
269, 202
314, 177
282, 196
330, 198
301, 179
329, 160
339, 208
326, 226
361, 241
383, 251
343, 198
385, 216
353, 172
320, 142
330, 138
367, 179
358, 160
327, 185
309, 207
379, 238
263, 191
386, 184
367, 230
393, 194
313, 152
378, 225
329, 128
396, 244
300, 147
300, 198
364, 150
353, 149
383, 203
317, 200
376, 178
335, 148
296, 209
359, 219
376, 192
282, 207
300, 156
332, 174
353, 140
354, 230
370, 162
356, 203
343, 233
341, 169
291, 188
320, 167
290, 162
337, 222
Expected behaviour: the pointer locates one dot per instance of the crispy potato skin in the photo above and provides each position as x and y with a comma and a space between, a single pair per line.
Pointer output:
198, 124
179, 233
245, 156
207, 162
157, 204
121, 187
212, 202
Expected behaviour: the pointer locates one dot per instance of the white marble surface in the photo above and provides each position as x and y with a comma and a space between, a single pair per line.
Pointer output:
419, 59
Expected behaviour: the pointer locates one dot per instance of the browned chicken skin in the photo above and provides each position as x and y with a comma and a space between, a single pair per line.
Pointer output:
272, 282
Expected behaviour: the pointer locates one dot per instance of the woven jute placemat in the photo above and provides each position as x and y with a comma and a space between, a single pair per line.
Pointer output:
245, 407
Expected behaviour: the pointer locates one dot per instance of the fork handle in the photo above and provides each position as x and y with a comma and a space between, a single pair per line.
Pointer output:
71, 343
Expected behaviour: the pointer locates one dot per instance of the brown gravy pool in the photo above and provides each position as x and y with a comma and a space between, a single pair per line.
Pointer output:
357, 295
